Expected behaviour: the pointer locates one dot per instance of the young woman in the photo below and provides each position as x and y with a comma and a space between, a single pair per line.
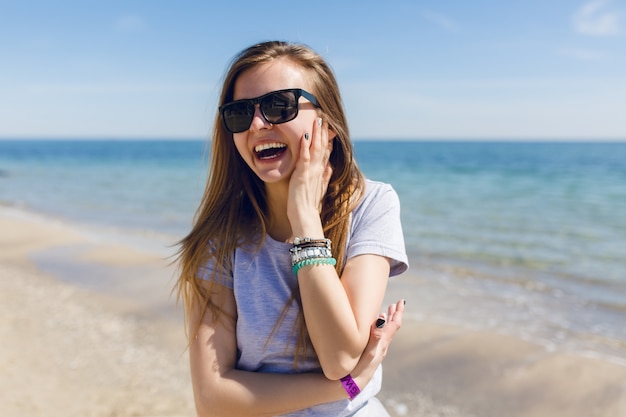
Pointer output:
285, 269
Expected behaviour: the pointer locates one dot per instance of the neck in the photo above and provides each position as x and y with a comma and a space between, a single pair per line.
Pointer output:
278, 226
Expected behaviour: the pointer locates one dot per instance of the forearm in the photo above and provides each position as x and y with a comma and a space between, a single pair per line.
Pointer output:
242, 393
222, 390
338, 311
334, 329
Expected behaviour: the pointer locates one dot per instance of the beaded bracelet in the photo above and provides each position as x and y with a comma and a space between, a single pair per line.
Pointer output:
313, 261
308, 248
310, 253
303, 241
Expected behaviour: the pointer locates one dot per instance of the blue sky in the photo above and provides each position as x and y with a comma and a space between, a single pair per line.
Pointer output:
532, 69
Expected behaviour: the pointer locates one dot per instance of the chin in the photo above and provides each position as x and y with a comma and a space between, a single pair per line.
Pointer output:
274, 176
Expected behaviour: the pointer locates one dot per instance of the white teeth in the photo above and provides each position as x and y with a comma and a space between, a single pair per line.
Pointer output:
264, 146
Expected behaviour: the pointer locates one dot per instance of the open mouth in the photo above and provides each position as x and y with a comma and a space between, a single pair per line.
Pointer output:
269, 150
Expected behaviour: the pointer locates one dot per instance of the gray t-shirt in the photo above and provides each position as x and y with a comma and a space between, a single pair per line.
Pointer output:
262, 282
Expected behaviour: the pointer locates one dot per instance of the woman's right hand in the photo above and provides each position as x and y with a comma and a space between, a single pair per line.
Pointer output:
309, 181
378, 344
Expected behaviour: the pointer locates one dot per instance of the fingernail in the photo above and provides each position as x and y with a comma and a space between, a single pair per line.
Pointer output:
404, 301
380, 323
319, 121
306, 136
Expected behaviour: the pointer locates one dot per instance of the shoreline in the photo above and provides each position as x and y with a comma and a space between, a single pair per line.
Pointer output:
120, 350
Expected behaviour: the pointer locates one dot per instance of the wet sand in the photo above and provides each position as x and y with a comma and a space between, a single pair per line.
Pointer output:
108, 341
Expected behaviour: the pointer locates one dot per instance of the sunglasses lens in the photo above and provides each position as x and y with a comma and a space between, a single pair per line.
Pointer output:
277, 107
238, 116
280, 107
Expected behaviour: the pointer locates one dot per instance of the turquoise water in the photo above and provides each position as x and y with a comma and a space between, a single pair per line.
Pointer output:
524, 238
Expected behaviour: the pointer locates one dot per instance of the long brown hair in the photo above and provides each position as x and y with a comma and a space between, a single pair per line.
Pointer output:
233, 209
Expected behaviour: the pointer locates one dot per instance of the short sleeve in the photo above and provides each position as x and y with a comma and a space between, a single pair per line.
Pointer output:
208, 273
376, 227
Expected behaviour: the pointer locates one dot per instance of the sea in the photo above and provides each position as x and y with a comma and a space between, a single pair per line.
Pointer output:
522, 238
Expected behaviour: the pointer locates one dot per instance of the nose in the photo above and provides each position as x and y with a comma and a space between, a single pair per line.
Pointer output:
258, 121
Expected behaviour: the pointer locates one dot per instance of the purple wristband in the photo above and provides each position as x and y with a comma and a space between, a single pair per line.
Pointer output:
350, 386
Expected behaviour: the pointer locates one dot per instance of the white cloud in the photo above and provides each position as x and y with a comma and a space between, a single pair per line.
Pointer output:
440, 20
593, 19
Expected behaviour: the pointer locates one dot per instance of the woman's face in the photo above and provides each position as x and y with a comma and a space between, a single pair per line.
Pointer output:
271, 151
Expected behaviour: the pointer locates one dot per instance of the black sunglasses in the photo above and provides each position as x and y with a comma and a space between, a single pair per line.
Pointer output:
276, 107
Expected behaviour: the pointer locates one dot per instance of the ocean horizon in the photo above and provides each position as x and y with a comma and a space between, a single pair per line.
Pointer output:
522, 237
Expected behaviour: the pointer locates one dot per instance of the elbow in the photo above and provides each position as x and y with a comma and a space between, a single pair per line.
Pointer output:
339, 365
203, 411
333, 375
205, 407
339, 359
209, 402
339, 362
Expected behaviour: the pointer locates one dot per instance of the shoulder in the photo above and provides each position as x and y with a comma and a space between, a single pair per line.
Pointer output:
377, 195
376, 226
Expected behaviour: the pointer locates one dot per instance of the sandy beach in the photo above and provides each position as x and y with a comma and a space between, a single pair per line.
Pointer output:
72, 346
70, 351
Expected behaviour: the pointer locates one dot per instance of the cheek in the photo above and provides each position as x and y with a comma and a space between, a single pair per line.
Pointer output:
299, 126
240, 144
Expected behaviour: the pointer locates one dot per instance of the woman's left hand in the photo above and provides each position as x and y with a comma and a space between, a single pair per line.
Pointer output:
378, 344
309, 181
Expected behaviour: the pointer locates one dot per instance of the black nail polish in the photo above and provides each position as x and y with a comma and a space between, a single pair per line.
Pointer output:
380, 323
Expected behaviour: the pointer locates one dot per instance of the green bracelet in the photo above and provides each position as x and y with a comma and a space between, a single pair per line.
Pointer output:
313, 261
